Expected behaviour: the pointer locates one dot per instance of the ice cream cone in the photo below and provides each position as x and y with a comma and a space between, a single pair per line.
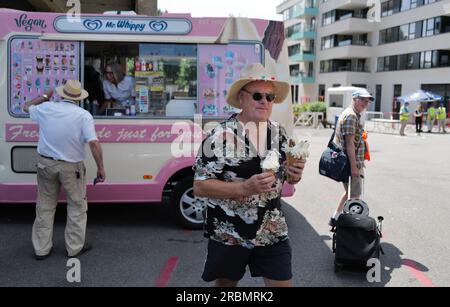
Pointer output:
290, 159
272, 171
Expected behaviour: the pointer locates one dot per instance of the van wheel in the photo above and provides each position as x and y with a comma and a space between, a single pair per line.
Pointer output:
188, 211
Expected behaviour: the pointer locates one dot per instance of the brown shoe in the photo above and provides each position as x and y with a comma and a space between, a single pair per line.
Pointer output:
86, 247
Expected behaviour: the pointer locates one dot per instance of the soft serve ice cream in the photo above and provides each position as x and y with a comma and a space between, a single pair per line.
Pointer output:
296, 150
271, 162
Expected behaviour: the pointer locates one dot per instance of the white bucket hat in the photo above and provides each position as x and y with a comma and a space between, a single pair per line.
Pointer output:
72, 90
257, 72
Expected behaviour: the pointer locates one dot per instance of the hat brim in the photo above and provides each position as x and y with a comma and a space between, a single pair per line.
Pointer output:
365, 96
60, 91
280, 90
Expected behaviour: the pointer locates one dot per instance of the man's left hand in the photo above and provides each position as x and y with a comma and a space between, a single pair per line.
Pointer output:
295, 171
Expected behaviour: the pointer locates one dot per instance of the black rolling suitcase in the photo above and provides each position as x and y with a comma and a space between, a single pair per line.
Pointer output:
356, 236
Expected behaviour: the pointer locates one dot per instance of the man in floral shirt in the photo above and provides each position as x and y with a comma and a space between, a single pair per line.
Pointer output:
244, 220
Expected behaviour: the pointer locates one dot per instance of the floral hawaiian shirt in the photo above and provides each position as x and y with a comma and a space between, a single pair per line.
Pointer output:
229, 156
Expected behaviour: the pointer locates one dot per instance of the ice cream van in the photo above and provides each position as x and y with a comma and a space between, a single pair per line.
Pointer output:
180, 68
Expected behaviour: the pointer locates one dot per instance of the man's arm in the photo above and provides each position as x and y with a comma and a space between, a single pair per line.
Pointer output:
38, 100
351, 154
97, 153
214, 188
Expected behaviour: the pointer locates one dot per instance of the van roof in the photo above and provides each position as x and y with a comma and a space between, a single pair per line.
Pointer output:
343, 88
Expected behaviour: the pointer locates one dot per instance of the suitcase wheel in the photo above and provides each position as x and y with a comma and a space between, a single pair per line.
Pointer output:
338, 267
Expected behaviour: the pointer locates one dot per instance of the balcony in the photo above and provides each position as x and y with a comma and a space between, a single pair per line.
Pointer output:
300, 79
347, 68
346, 52
305, 11
303, 56
303, 33
348, 25
343, 4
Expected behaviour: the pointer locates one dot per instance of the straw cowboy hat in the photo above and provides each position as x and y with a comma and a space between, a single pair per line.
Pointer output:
257, 72
72, 90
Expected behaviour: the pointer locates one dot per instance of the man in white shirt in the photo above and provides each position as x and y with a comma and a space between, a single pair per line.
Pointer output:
64, 128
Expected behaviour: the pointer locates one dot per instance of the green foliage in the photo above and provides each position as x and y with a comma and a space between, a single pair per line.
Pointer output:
315, 106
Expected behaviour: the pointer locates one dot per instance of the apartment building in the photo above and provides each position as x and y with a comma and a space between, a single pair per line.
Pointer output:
407, 50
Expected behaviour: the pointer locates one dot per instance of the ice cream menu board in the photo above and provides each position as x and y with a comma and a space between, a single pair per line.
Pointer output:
220, 66
37, 65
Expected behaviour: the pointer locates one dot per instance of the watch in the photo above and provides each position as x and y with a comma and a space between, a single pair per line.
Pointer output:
46, 97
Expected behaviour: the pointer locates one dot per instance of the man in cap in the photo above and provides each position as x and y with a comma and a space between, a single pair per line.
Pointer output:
244, 221
349, 132
64, 128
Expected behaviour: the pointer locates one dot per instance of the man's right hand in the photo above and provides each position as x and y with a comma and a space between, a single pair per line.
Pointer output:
49, 92
258, 184
101, 176
355, 172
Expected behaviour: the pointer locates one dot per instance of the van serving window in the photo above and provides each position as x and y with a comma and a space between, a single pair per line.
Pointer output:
146, 80
132, 79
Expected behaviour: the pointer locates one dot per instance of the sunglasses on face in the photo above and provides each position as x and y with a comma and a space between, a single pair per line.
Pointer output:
257, 96
109, 72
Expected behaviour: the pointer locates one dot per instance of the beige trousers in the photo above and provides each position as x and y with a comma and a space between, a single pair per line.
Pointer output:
50, 176
442, 123
403, 126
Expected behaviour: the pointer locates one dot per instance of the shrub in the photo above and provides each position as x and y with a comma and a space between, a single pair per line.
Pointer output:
316, 106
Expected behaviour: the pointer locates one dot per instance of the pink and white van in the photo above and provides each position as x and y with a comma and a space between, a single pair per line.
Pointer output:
181, 68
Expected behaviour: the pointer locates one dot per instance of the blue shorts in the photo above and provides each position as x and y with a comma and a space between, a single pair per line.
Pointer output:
230, 262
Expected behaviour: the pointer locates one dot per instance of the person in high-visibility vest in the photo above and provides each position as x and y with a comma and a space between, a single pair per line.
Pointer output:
404, 117
442, 118
431, 115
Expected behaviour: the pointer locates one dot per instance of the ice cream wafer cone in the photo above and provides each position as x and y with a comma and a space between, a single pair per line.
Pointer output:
272, 171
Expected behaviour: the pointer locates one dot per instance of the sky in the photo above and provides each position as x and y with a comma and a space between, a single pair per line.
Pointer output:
264, 9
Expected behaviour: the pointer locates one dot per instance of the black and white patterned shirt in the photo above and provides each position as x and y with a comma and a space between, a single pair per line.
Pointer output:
257, 221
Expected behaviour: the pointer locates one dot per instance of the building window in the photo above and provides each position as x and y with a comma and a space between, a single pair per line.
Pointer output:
391, 7
406, 5
421, 28
428, 27
328, 18
403, 33
380, 64
321, 92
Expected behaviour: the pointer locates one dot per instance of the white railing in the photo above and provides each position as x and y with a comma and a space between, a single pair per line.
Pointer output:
313, 119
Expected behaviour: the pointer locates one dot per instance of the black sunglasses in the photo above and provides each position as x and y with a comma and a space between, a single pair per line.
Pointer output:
258, 96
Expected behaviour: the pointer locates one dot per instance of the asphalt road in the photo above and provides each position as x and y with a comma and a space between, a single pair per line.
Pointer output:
141, 245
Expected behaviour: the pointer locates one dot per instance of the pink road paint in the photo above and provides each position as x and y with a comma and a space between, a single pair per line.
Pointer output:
187, 232
166, 273
413, 268
158, 133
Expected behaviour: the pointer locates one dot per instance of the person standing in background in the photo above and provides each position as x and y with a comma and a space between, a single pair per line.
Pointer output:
349, 135
404, 117
418, 114
442, 118
431, 115
119, 88
64, 128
